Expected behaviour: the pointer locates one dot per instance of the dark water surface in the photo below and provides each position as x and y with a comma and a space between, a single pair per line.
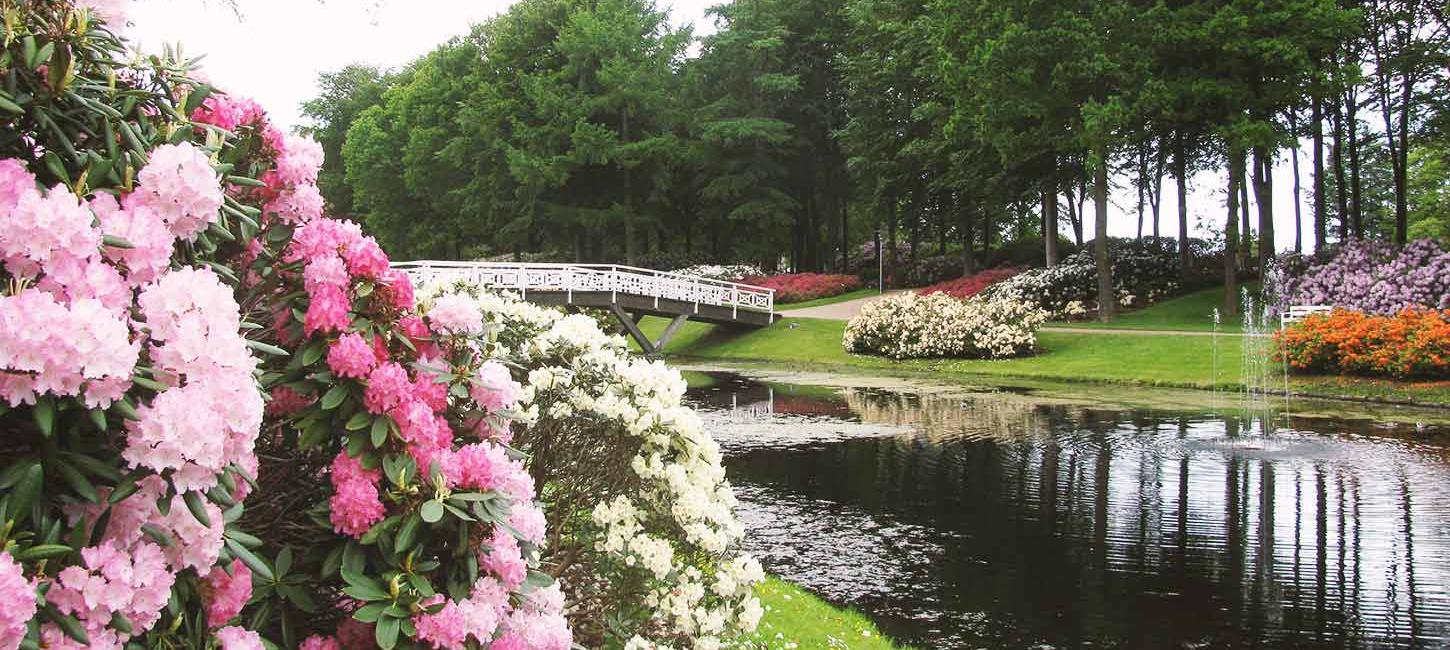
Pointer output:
1008, 521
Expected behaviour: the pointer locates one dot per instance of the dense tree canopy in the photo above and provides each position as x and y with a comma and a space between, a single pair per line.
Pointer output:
796, 131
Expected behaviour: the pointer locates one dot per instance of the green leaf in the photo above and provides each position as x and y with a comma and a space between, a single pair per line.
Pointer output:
334, 397
42, 552
98, 418
44, 415
76, 481
116, 242
284, 561
267, 348
387, 632
379, 432
370, 612
67, 624
358, 421
197, 506
431, 511
256, 564
26, 491
313, 353
408, 533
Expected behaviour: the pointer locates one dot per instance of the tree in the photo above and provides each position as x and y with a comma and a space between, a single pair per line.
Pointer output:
342, 97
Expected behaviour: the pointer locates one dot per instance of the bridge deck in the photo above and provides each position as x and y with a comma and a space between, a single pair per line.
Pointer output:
631, 293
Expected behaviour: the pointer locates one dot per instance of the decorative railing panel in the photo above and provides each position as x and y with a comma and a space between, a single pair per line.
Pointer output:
612, 278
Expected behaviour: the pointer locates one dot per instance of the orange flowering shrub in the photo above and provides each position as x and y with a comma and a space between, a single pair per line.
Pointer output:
1414, 343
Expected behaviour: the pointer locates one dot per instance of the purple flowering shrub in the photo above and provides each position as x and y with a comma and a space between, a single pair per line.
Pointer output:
1371, 277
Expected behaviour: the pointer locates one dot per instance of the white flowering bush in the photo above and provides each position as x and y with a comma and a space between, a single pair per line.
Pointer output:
728, 272
1144, 272
642, 523
909, 325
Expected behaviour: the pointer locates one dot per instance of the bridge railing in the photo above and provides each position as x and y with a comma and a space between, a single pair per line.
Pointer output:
613, 278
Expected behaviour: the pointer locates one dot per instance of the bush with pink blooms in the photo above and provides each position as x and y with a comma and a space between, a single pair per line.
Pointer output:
971, 285
800, 287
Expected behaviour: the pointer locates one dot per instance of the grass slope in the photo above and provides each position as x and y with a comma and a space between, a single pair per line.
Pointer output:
797, 620
830, 300
1107, 357
1192, 312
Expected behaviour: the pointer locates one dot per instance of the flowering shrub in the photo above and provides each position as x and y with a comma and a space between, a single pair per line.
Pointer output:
727, 272
1370, 277
1415, 343
799, 287
909, 325
644, 513
1143, 272
971, 285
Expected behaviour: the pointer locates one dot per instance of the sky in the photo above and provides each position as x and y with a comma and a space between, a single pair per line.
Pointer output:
274, 50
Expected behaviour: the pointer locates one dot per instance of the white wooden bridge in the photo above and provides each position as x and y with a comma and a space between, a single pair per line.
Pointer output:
631, 293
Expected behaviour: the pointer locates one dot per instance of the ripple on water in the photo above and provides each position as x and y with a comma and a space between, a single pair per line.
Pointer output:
1004, 522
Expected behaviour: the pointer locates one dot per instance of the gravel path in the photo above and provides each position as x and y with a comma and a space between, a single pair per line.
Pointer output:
837, 311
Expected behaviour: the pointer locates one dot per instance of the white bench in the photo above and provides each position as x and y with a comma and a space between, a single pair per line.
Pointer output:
1296, 313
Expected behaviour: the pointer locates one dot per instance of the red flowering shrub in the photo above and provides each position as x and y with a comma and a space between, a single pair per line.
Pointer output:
799, 287
966, 287
1414, 343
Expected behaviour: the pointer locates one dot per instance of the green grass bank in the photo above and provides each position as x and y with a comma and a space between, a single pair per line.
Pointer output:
1185, 360
795, 619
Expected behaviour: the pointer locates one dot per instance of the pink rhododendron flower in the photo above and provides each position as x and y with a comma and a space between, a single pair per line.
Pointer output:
181, 186
326, 270
151, 242
328, 311
388, 387
429, 390
298, 160
226, 593
446, 629
351, 356
455, 314
397, 286
193, 545
18, 595
286, 401
298, 204
45, 229
494, 388
228, 111
529, 520
134, 583
365, 258
48, 347
504, 558
316, 642
355, 503
15, 181
236, 638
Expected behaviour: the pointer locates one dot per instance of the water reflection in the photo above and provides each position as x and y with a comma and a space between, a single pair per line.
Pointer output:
1007, 521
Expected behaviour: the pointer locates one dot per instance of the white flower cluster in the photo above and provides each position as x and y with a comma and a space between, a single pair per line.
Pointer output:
675, 531
721, 271
908, 325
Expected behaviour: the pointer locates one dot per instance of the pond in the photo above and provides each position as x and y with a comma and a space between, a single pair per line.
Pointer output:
1017, 519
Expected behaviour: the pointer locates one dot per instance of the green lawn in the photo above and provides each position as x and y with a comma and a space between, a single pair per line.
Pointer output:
1107, 357
797, 620
1192, 312
831, 300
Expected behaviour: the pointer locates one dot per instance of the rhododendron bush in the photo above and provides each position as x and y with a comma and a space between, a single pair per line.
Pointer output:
799, 287
1413, 344
644, 532
1371, 277
228, 424
971, 285
910, 325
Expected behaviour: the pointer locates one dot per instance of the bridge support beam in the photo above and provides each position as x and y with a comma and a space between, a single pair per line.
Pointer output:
631, 324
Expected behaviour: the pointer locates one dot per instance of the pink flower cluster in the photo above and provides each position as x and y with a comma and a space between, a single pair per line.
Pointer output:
355, 503
49, 347
226, 592
180, 185
18, 595
455, 314
230, 112
198, 428
494, 388
537, 623
133, 583
236, 638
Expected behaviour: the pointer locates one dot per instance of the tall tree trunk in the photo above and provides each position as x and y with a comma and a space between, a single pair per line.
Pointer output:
1107, 299
1079, 214
1180, 173
1230, 233
1341, 186
969, 260
1401, 162
1356, 202
1264, 198
1321, 206
1298, 207
1049, 221
1155, 195
1246, 232
845, 240
1142, 188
